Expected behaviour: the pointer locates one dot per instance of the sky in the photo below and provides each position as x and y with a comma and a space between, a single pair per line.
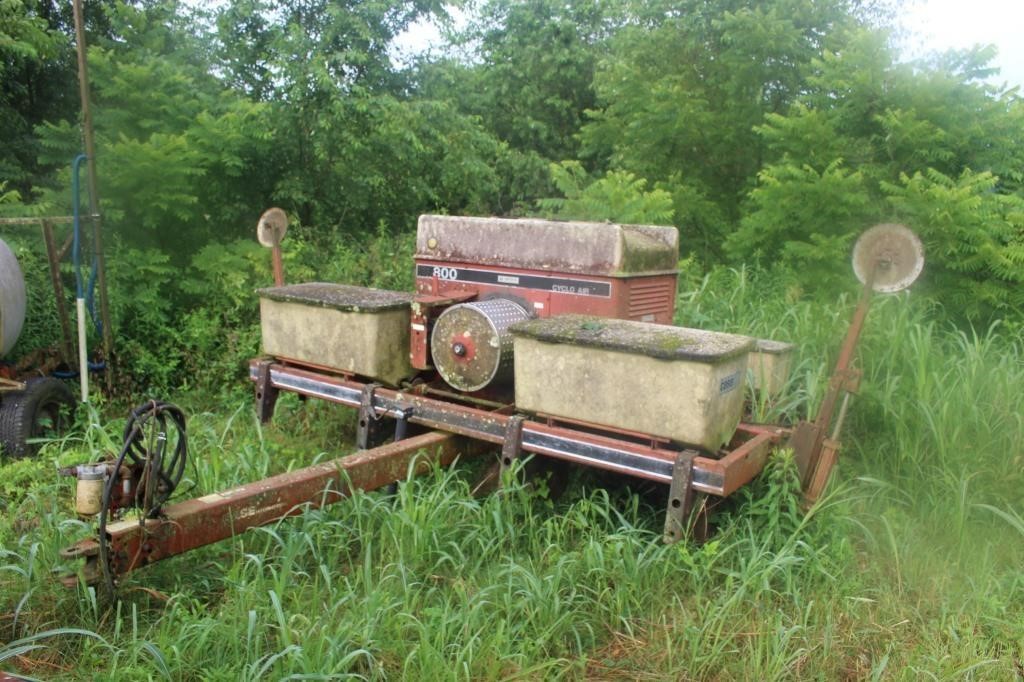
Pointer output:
928, 26
933, 25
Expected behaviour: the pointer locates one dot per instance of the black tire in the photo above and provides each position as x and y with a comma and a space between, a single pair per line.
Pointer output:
44, 409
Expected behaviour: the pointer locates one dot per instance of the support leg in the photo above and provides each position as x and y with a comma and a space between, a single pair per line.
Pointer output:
266, 393
680, 498
372, 429
512, 448
401, 428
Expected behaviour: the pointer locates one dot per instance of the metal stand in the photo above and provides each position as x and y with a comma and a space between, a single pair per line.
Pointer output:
401, 428
266, 392
512, 447
680, 498
372, 430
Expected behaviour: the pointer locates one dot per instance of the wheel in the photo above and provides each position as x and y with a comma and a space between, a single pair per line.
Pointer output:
43, 410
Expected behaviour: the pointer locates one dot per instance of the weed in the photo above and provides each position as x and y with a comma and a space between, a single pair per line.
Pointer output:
908, 568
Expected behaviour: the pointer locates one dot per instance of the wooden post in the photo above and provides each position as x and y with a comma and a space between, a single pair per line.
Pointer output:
58, 293
94, 202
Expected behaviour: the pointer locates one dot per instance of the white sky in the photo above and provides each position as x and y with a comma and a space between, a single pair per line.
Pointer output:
935, 25
929, 25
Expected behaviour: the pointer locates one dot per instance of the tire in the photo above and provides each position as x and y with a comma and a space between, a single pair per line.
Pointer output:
45, 409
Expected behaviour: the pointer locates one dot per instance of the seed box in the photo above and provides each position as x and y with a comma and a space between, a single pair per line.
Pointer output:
344, 328
682, 384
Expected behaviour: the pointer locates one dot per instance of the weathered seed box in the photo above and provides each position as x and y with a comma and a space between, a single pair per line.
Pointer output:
682, 384
770, 363
340, 327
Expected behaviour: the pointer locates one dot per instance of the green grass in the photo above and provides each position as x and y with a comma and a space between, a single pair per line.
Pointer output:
908, 569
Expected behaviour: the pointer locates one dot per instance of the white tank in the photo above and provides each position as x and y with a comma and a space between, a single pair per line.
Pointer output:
12, 299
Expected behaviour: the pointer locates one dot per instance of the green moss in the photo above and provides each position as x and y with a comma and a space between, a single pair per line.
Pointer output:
642, 338
338, 297
642, 253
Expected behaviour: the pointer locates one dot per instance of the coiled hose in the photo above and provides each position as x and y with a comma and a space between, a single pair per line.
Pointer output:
150, 428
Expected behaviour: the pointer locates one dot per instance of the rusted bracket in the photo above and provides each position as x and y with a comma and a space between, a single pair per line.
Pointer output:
401, 428
680, 498
402, 422
266, 392
372, 429
847, 380
512, 446
818, 479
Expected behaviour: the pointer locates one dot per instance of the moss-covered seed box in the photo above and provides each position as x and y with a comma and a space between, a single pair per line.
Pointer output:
682, 384
346, 328
770, 363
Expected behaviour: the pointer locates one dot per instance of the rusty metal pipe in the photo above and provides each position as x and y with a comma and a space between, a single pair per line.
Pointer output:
277, 262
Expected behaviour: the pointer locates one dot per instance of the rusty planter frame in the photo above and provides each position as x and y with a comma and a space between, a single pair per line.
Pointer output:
456, 429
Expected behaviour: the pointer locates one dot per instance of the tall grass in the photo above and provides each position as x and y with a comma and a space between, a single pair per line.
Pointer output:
907, 569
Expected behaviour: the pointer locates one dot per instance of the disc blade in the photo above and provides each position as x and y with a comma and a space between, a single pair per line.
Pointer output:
272, 226
893, 253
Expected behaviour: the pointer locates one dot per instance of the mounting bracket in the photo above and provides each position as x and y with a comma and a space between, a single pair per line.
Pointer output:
266, 392
512, 446
372, 430
680, 498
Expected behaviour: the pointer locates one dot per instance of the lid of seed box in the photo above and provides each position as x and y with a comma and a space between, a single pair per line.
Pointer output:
771, 347
586, 248
639, 338
338, 297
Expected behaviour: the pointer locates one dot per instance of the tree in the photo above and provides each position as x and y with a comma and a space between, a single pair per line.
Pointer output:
684, 87
872, 140
534, 81
619, 196
38, 80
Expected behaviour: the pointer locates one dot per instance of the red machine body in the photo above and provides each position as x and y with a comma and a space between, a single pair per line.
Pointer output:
618, 271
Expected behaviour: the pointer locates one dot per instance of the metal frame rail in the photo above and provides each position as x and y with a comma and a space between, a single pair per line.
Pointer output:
720, 477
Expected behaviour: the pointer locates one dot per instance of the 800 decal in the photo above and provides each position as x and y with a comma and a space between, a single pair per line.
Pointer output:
442, 272
562, 285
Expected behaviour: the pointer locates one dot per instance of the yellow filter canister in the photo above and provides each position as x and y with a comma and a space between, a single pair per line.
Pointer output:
89, 491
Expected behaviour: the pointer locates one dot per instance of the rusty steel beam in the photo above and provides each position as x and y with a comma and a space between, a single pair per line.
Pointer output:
741, 465
205, 520
641, 460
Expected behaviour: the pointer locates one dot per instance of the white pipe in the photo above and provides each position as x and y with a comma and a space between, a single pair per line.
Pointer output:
83, 361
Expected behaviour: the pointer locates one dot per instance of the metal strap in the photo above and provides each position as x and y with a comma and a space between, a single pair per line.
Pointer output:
512, 447
680, 498
266, 392
370, 432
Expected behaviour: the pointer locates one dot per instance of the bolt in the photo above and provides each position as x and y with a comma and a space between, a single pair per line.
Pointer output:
459, 349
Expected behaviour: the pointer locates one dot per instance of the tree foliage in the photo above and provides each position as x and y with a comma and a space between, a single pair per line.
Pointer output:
772, 132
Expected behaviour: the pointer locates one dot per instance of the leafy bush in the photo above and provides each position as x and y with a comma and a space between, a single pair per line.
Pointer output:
619, 197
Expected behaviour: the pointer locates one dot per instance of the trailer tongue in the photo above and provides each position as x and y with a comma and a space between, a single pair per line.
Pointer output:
179, 528
475, 380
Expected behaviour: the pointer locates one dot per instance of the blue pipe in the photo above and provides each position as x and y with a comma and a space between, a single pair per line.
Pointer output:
76, 252
76, 255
